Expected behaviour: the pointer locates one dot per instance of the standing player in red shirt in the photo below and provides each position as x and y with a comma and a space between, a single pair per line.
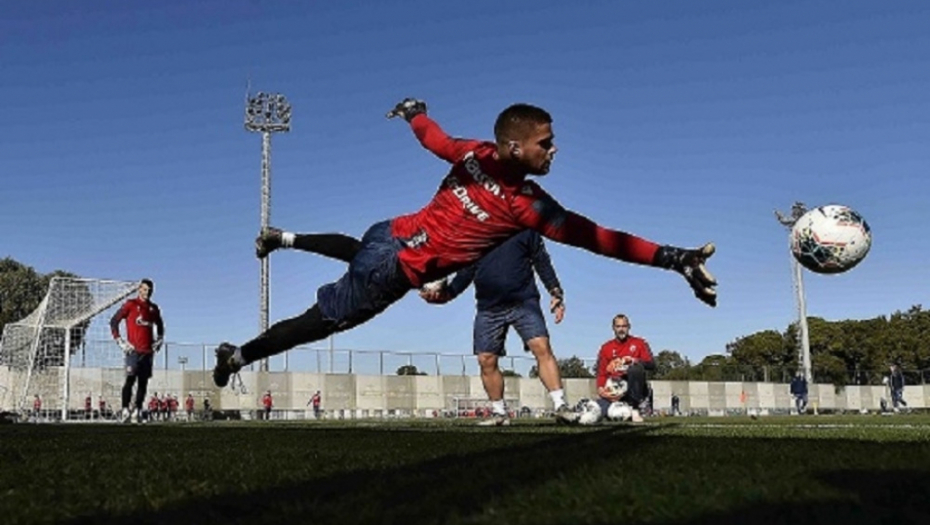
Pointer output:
267, 404
140, 345
624, 357
483, 201
189, 406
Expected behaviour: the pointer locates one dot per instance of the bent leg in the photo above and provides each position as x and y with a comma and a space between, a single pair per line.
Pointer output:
491, 376
546, 363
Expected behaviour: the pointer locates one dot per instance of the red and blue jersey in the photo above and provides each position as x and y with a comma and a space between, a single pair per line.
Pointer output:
481, 203
613, 350
141, 317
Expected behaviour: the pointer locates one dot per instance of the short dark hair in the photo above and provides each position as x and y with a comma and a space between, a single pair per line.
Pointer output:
517, 120
150, 283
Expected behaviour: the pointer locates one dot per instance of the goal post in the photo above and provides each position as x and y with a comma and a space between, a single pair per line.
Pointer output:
37, 353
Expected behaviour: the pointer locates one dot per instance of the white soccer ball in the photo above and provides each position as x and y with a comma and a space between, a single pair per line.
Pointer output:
830, 239
590, 413
618, 411
616, 387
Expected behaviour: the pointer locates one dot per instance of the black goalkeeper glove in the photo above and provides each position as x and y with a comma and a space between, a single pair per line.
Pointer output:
690, 264
408, 108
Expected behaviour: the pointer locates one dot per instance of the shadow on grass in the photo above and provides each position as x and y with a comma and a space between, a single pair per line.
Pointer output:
436, 491
896, 497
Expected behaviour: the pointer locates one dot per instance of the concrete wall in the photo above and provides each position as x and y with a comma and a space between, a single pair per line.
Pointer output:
370, 394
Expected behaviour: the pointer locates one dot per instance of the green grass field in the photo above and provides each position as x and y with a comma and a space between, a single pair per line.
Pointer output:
825, 469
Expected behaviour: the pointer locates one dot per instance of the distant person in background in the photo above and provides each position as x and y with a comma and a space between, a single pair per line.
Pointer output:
896, 381
36, 407
267, 404
88, 407
207, 409
625, 357
189, 406
799, 391
102, 407
315, 400
143, 318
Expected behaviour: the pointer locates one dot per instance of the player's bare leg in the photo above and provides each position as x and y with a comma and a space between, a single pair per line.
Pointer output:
493, 381
551, 377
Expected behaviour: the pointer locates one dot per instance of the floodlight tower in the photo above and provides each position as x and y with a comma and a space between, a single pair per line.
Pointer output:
797, 210
266, 113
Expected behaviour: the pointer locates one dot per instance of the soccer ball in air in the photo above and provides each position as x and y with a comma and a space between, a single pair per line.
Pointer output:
618, 411
830, 239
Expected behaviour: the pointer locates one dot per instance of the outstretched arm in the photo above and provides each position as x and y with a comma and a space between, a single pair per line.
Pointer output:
537, 210
430, 135
433, 138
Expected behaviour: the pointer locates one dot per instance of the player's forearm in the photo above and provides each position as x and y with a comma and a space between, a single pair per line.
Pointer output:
582, 232
543, 266
463, 278
437, 141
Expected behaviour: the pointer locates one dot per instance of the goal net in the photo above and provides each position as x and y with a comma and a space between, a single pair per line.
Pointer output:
63, 351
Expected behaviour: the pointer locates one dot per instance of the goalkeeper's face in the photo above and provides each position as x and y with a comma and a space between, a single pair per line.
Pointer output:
535, 150
144, 292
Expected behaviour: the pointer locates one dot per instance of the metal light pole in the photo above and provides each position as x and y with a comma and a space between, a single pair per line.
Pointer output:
266, 113
797, 210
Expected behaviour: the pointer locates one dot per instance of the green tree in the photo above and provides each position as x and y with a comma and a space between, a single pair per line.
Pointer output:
573, 367
670, 364
509, 373
409, 370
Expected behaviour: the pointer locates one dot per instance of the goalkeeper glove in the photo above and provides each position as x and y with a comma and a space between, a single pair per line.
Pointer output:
690, 264
124, 344
408, 108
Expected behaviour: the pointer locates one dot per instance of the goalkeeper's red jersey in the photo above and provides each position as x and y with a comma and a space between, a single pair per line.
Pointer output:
480, 204
141, 317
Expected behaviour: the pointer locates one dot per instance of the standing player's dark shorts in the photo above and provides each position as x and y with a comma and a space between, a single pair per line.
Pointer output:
491, 325
139, 365
373, 282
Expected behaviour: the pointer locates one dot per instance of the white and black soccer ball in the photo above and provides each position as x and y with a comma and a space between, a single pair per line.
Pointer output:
830, 239
618, 411
590, 413
616, 387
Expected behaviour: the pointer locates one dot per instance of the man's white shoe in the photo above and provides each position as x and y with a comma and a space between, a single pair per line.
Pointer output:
135, 417
124, 416
564, 415
636, 417
496, 420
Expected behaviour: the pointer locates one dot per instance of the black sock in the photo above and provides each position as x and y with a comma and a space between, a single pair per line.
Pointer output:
284, 335
127, 390
335, 245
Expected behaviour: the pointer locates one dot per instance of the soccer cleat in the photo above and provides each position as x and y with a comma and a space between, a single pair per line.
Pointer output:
225, 366
268, 241
496, 420
124, 416
135, 417
566, 416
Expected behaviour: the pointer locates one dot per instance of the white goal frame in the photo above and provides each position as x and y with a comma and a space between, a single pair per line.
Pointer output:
50, 327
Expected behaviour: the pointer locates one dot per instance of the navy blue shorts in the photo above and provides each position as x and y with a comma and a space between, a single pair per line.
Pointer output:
491, 325
139, 365
373, 282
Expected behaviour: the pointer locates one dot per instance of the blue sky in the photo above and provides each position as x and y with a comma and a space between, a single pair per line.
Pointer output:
123, 155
